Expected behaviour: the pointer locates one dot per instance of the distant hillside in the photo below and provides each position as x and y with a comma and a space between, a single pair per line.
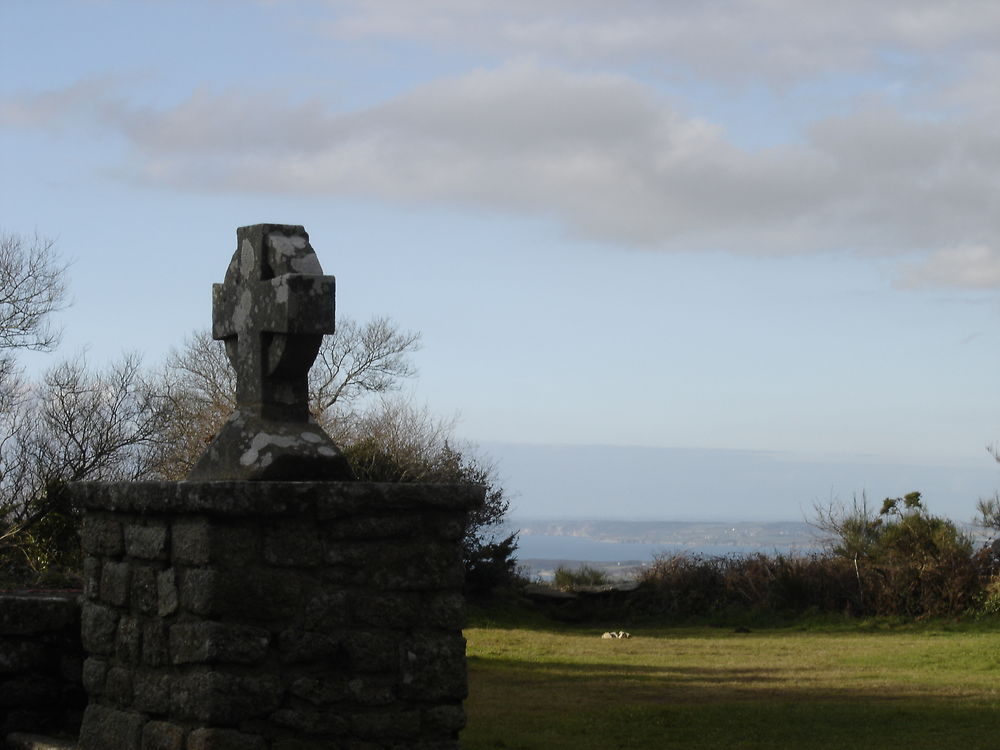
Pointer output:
769, 536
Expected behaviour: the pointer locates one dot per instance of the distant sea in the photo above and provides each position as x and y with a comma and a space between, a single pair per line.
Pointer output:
545, 544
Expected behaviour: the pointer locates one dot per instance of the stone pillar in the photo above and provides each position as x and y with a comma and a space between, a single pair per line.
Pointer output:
273, 615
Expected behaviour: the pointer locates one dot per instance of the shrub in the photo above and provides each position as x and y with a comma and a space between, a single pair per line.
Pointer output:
906, 561
585, 575
683, 585
489, 564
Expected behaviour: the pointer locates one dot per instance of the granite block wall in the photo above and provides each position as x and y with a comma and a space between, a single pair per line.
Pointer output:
273, 615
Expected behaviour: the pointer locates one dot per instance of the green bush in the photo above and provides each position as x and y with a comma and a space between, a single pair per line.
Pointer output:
684, 585
489, 565
585, 575
906, 561
899, 561
47, 545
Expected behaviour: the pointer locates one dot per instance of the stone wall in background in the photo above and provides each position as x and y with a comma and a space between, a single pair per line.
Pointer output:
273, 615
40, 664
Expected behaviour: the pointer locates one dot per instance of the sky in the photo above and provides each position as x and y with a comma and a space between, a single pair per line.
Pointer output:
761, 231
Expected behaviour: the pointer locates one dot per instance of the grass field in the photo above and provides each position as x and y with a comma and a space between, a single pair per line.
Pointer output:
856, 685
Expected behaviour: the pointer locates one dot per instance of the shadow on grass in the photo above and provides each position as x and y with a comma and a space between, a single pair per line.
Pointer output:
580, 674
554, 705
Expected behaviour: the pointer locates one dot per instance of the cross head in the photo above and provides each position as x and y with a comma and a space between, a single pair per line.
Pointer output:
272, 311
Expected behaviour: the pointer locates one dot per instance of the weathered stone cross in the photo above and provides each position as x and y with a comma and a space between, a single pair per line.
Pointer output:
272, 311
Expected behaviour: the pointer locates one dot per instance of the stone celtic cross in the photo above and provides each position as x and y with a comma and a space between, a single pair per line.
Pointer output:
272, 312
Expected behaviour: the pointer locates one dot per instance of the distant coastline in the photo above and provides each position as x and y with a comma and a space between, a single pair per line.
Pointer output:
682, 533
623, 548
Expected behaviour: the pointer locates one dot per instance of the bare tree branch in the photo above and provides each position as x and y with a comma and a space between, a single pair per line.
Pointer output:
32, 287
76, 425
359, 360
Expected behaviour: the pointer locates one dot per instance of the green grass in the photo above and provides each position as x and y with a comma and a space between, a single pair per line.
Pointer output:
871, 685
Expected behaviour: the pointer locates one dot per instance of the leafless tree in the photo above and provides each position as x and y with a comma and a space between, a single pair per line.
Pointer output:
76, 424
96, 425
32, 287
359, 360
199, 386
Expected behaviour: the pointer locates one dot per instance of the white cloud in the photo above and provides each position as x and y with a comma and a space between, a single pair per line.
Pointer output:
603, 155
965, 266
785, 39
89, 100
